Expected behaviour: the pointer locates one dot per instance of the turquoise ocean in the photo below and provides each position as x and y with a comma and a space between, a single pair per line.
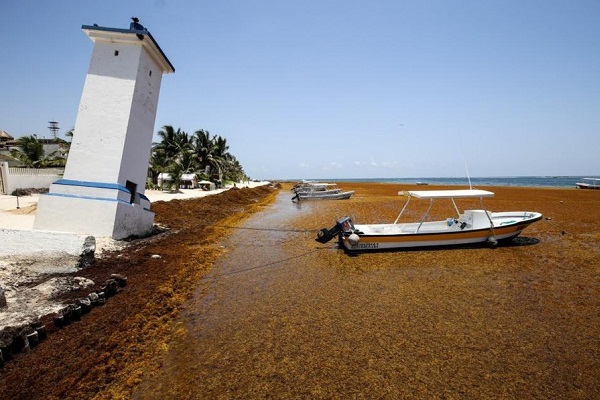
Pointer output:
524, 181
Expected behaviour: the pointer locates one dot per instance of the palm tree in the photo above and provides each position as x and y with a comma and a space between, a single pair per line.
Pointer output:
234, 171
159, 163
173, 154
212, 153
175, 172
173, 141
31, 153
222, 154
187, 160
64, 145
178, 153
203, 147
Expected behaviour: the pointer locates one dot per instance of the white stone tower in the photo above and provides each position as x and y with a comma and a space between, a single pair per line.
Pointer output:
102, 191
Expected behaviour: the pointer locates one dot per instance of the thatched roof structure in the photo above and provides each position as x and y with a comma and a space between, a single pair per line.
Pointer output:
4, 136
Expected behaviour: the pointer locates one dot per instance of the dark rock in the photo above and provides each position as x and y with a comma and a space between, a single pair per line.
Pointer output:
6, 354
33, 339
111, 287
85, 304
93, 298
86, 258
121, 279
6, 340
20, 343
67, 312
58, 320
2, 297
76, 312
41, 331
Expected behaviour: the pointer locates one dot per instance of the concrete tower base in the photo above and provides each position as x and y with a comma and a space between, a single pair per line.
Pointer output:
103, 210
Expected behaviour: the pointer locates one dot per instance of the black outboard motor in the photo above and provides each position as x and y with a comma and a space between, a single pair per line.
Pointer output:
342, 225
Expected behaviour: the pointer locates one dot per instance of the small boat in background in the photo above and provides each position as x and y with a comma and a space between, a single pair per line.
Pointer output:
588, 183
472, 226
308, 186
319, 191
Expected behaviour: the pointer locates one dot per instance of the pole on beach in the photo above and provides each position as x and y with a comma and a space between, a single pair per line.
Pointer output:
18, 200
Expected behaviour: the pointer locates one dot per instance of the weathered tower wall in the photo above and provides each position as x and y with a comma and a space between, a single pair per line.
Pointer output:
102, 191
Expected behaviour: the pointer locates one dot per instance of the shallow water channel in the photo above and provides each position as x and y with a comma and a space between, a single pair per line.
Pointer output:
282, 316
255, 323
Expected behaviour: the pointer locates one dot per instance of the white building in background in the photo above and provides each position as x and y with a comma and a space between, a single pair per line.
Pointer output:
102, 191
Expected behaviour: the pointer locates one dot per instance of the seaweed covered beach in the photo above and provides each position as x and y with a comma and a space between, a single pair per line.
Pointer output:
243, 303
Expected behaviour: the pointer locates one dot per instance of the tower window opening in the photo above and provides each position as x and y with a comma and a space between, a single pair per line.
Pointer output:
132, 187
116, 53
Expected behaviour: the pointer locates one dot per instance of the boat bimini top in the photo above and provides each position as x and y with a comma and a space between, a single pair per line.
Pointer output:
447, 194
442, 194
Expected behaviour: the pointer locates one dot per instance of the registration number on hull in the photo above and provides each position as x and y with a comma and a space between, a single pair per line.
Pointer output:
365, 246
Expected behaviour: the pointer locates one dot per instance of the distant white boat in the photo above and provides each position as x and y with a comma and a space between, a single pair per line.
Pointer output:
472, 226
309, 186
319, 191
589, 183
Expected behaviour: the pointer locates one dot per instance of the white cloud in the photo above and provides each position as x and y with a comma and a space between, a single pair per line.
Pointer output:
332, 165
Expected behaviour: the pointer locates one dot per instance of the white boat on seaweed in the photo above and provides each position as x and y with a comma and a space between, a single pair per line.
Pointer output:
588, 183
319, 191
469, 227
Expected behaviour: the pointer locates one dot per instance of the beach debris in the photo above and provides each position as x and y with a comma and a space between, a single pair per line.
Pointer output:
155, 256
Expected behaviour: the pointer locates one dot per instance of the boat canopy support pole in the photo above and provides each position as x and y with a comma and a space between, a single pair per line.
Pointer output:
402, 212
425, 216
488, 215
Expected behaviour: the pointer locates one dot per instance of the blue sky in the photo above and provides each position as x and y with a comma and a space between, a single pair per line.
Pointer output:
339, 89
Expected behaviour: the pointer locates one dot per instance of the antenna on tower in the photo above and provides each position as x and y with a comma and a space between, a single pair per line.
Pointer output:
54, 129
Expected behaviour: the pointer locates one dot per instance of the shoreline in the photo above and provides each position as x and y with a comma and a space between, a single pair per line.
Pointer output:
18, 212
